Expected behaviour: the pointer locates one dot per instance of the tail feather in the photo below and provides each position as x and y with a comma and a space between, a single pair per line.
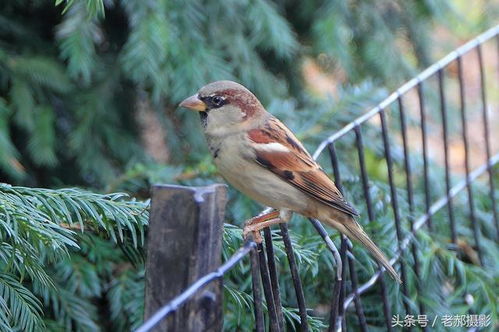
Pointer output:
353, 230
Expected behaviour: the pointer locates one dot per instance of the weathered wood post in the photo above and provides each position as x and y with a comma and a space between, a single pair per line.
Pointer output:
184, 243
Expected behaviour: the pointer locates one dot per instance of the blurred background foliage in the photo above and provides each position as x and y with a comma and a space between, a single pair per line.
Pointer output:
88, 98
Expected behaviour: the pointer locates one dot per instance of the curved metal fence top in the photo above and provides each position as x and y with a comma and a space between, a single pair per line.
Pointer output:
457, 53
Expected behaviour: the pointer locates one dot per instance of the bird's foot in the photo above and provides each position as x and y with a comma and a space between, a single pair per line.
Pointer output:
254, 228
256, 236
251, 225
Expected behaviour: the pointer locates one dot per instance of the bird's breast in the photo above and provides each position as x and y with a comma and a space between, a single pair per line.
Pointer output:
235, 161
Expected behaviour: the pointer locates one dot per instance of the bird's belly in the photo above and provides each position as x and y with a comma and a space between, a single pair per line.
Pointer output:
262, 185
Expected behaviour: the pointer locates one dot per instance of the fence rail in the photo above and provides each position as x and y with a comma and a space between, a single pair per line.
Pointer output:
263, 267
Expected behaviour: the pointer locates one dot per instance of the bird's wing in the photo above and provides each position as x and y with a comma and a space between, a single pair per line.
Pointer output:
278, 150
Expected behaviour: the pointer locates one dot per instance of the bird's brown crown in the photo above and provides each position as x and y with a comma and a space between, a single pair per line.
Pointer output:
232, 93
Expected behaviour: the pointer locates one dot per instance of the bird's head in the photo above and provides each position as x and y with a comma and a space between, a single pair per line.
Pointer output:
225, 107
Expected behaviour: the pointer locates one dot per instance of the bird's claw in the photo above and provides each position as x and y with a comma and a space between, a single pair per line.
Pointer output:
255, 234
254, 225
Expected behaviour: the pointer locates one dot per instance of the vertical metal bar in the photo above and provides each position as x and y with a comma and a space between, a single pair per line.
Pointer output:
448, 184
410, 200
353, 273
407, 162
273, 275
425, 153
393, 192
358, 304
333, 316
386, 304
370, 213
267, 290
335, 304
341, 320
300, 297
257, 293
497, 85
469, 189
330, 244
487, 138
336, 316
363, 173
336, 167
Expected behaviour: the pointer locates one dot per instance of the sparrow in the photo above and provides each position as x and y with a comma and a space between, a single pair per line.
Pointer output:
258, 155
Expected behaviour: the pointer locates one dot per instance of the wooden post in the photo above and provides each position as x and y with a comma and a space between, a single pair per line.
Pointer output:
184, 243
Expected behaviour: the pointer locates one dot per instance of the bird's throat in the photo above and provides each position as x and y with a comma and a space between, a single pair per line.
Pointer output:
204, 118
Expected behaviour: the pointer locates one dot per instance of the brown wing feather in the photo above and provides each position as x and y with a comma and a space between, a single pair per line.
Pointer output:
297, 166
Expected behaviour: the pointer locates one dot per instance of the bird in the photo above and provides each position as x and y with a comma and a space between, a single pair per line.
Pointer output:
259, 156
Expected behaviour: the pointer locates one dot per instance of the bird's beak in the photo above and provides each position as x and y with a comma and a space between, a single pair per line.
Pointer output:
194, 103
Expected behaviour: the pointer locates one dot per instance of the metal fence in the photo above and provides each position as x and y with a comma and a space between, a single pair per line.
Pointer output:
263, 265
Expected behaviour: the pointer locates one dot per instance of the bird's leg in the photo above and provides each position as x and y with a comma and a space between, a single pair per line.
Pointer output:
255, 228
250, 224
254, 225
262, 217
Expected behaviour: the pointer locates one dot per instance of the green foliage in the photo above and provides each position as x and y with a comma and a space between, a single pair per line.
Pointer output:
77, 34
62, 246
145, 51
20, 309
351, 32
95, 8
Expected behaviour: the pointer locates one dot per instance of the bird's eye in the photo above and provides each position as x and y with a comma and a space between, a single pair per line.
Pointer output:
217, 101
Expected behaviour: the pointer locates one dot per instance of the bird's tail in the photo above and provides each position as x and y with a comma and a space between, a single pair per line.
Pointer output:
353, 230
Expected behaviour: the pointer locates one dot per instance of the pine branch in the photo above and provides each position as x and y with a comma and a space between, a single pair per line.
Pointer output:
95, 8
42, 141
270, 30
23, 309
126, 298
36, 245
9, 158
78, 33
42, 211
146, 49
40, 72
